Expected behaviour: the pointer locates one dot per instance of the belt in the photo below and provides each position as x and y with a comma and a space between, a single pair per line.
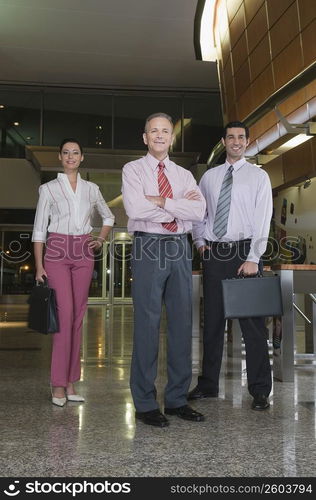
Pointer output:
227, 244
164, 237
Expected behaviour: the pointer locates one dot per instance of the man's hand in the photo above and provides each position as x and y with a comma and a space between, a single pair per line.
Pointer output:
159, 201
192, 195
248, 268
202, 249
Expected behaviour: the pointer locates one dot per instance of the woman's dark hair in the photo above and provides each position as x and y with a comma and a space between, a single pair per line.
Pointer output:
70, 139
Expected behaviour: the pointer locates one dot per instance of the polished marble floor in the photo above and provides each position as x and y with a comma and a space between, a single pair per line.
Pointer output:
100, 437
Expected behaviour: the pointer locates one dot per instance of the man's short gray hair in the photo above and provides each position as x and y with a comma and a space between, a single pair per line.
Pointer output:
158, 115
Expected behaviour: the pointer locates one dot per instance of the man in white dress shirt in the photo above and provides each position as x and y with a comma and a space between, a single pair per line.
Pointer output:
231, 240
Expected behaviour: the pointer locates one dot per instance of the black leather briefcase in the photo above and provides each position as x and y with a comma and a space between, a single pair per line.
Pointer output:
42, 313
252, 296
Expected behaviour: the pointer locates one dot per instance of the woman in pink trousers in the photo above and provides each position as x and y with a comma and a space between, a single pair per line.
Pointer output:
63, 225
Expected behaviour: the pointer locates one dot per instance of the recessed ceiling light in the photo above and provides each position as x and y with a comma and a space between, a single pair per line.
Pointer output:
16, 124
1, 106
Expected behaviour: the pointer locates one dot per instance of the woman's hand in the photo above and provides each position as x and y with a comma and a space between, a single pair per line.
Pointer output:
40, 272
96, 244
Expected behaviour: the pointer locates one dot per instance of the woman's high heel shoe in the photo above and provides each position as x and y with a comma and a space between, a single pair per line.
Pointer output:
59, 401
76, 398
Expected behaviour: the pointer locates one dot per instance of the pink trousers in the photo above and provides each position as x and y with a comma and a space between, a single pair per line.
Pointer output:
69, 265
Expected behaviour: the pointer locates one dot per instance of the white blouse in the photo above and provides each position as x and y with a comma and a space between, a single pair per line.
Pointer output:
61, 210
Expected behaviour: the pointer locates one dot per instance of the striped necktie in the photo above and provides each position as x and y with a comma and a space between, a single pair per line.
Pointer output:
165, 190
223, 205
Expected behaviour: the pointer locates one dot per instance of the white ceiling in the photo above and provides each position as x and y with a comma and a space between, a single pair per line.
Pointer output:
102, 43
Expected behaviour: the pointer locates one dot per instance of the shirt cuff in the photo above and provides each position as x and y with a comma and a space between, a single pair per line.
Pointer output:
108, 222
199, 243
252, 258
38, 236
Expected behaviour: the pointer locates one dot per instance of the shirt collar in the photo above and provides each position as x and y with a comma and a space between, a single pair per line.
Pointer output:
153, 162
64, 177
237, 165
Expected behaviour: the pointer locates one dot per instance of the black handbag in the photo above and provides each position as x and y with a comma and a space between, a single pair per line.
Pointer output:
253, 296
42, 314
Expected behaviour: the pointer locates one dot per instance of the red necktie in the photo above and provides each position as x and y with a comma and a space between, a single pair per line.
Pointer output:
165, 190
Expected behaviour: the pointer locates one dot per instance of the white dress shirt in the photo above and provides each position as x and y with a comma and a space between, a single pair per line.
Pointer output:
62, 210
250, 210
140, 178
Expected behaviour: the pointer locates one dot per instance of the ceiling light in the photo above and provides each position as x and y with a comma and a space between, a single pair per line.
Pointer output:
292, 143
307, 183
1, 106
16, 124
204, 31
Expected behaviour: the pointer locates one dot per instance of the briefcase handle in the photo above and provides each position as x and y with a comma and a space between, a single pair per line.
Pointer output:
242, 276
40, 283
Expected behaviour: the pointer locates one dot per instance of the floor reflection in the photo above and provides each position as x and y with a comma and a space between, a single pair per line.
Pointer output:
101, 438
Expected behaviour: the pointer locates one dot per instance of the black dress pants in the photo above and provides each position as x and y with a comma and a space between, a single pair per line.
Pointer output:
221, 263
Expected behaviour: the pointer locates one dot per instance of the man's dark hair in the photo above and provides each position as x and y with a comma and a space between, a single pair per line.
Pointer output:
158, 115
236, 124
70, 139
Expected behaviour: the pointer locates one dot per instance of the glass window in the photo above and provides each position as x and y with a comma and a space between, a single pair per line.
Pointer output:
19, 121
17, 266
86, 117
131, 112
110, 183
202, 124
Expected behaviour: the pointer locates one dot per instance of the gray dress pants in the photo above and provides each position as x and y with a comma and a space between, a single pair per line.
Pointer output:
162, 273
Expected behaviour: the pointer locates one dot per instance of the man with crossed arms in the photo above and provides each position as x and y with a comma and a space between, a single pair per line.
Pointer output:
161, 199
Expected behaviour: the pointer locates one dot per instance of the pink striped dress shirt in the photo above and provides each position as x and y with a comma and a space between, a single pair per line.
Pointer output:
140, 179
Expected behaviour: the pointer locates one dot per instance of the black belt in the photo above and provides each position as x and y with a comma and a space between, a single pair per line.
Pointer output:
227, 244
164, 237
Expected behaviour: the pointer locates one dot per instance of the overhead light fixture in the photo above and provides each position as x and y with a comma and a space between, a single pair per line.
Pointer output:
1, 106
16, 124
307, 183
291, 143
204, 31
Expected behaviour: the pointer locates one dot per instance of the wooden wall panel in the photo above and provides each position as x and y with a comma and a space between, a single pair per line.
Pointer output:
237, 26
232, 113
257, 28
239, 53
284, 30
297, 162
307, 12
261, 126
228, 71
275, 171
226, 49
244, 105
262, 87
288, 63
276, 8
310, 90
274, 57
293, 102
242, 79
313, 148
251, 9
232, 7
309, 43
260, 58
230, 91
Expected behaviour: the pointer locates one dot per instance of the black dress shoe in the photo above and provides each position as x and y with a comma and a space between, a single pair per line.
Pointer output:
185, 412
153, 417
260, 402
196, 393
